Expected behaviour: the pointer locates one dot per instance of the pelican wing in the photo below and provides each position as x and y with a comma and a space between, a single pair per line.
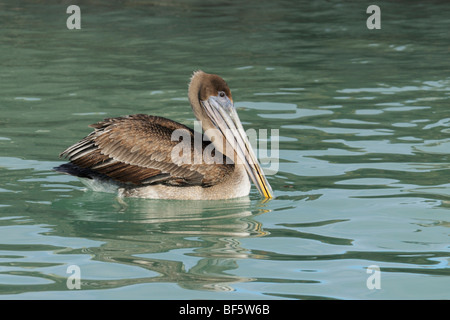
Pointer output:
137, 149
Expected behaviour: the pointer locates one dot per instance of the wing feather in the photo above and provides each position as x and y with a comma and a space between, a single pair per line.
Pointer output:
137, 149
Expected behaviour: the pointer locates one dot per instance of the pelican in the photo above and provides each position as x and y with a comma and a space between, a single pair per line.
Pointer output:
135, 154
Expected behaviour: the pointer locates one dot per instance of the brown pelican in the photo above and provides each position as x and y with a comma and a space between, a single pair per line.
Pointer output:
135, 153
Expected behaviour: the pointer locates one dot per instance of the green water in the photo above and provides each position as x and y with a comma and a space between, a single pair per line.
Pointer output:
364, 172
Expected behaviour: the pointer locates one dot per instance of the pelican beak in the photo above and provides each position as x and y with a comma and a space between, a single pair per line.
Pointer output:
224, 116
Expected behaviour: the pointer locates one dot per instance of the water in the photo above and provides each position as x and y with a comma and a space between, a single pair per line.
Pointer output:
364, 167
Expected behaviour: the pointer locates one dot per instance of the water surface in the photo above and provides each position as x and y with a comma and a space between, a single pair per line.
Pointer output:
364, 166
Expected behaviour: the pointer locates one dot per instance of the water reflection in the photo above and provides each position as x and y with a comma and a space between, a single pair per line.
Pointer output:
159, 235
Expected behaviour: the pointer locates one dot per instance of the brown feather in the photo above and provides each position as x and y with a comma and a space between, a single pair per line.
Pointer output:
137, 149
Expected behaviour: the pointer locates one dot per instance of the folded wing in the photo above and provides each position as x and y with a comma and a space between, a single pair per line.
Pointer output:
137, 150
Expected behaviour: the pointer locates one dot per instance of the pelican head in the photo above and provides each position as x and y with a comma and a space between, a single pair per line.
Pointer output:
212, 103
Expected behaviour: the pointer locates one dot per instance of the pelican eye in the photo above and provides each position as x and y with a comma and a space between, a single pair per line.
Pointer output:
222, 94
